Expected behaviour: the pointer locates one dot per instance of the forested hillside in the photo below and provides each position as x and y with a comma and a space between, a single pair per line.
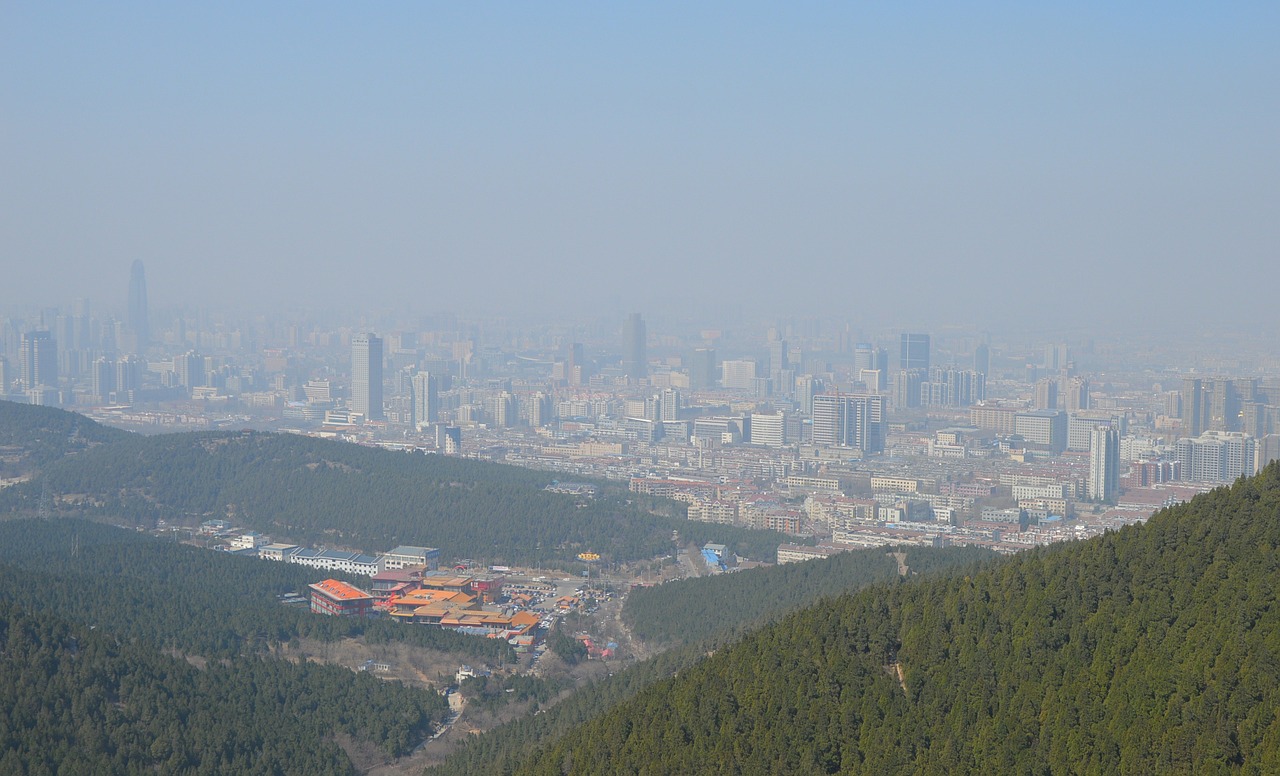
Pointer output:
83, 702
698, 616
691, 610
184, 598
1155, 649
337, 494
40, 435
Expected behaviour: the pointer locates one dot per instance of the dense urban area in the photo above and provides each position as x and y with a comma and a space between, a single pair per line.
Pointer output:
838, 436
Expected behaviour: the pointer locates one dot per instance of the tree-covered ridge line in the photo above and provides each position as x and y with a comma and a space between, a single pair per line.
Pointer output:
46, 434
184, 598
741, 601
1155, 649
328, 493
692, 610
80, 701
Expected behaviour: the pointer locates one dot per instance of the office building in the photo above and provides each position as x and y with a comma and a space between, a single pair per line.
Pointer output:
768, 429
1213, 404
138, 320
982, 359
39, 354
635, 361
702, 369
1046, 397
575, 369
914, 352
366, 375
1056, 357
1044, 430
738, 375
1104, 464
849, 420
807, 386
128, 378
188, 370
426, 399
906, 388
104, 379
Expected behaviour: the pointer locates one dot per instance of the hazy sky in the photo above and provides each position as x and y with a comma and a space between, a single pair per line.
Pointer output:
910, 162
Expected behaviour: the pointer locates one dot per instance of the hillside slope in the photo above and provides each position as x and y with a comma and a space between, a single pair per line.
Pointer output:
1152, 650
337, 494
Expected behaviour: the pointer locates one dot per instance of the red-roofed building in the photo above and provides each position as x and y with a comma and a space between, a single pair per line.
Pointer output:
340, 599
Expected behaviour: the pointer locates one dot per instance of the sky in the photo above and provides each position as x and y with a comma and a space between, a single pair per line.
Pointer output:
992, 164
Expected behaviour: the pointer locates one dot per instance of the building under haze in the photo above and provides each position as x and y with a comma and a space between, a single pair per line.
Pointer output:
914, 352
138, 320
426, 399
366, 375
39, 360
635, 361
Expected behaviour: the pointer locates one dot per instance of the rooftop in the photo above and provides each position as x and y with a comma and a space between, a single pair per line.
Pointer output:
339, 591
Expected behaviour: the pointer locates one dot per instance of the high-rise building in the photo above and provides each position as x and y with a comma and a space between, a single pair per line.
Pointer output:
635, 362
1104, 464
188, 369
1213, 404
1056, 357
366, 375
104, 379
914, 352
807, 386
1077, 394
1217, 456
982, 359
906, 388
702, 369
738, 374
1046, 394
575, 370
5, 377
128, 378
669, 405
138, 320
853, 420
39, 360
426, 399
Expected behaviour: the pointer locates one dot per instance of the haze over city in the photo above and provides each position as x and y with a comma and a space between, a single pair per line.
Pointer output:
998, 166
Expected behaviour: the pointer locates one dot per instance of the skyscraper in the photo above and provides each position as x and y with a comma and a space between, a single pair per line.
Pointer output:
426, 399
982, 359
138, 320
915, 352
366, 375
39, 360
635, 362
1104, 463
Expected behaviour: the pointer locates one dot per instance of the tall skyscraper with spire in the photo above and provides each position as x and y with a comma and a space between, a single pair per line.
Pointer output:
366, 375
137, 319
